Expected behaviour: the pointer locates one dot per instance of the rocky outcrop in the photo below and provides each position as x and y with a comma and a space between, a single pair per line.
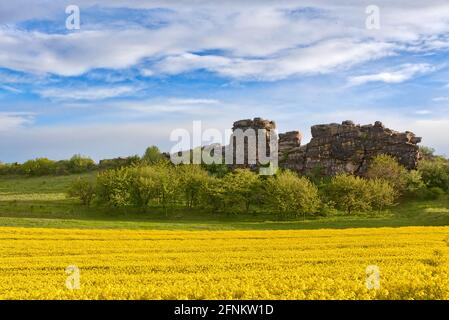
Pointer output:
346, 147
288, 142
243, 126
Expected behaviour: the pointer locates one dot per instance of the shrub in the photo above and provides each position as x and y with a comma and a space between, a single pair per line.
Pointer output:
152, 155
349, 193
352, 193
114, 187
191, 179
432, 193
83, 189
427, 152
144, 185
213, 194
382, 193
289, 194
435, 173
242, 188
414, 184
38, 167
387, 168
216, 169
78, 164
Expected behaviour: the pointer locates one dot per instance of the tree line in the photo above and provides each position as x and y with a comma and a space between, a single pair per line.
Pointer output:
77, 164
217, 189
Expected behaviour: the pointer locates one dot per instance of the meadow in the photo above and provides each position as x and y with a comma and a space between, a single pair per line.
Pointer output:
135, 254
42, 202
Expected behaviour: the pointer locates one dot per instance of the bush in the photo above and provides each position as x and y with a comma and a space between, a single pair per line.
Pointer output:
291, 195
79, 164
382, 194
144, 185
191, 179
152, 155
213, 194
435, 173
352, 193
387, 168
242, 188
432, 193
349, 193
83, 189
114, 187
39, 167
415, 186
216, 170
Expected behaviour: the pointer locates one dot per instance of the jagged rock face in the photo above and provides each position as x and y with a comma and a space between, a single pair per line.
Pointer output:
336, 148
255, 124
287, 142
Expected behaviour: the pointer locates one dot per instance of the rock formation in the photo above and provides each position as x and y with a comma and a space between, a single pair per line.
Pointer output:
334, 148
251, 148
346, 147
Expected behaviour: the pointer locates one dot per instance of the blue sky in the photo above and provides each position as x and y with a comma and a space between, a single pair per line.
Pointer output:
137, 70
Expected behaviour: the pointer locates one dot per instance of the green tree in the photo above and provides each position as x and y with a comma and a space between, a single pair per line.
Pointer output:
191, 179
39, 167
382, 194
145, 185
415, 185
349, 193
387, 168
83, 189
152, 155
241, 189
79, 164
435, 173
289, 194
213, 194
427, 152
114, 187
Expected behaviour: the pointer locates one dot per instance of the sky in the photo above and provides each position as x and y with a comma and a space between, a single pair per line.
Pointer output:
134, 71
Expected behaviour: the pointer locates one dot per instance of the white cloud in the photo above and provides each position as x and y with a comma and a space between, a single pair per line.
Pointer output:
402, 73
11, 121
266, 41
323, 57
86, 93
423, 112
441, 99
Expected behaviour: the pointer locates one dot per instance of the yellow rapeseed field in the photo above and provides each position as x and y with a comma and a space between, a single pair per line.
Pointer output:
413, 263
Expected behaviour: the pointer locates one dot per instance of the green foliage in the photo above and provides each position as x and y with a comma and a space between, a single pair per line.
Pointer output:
415, 185
352, 193
433, 193
291, 195
191, 179
387, 168
83, 189
435, 173
216, 170
44, 166
426, 152
349, 193
117, 163
114, 187
38, 167
144, 185
79, 164
242, 188
382, 194
138, 186
152, 155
